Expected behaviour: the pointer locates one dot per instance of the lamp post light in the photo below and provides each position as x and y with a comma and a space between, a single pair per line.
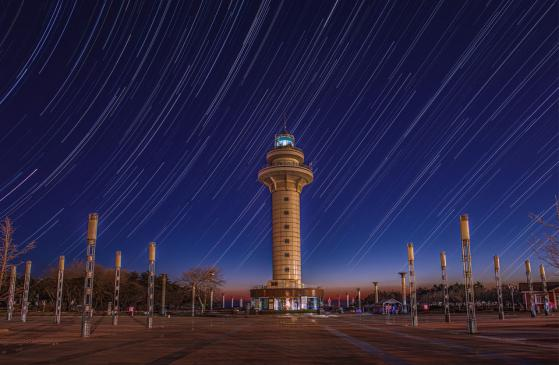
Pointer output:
544, 288
212, 275
445, 287
193, 300
87, 313
403, 283
59, 283
530, 288
116, 295
413, 294
359, 299
511, 289
11, 293
163, 294
25, 299
151, 284
499, 288
468, 278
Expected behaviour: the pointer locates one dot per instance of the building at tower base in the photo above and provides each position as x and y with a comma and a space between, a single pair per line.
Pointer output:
285, 175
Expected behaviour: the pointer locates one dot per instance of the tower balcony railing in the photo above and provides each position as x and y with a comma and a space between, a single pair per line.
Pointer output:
287, 147
289, 164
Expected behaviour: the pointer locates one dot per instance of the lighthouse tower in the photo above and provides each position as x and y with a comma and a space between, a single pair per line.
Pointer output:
285, 176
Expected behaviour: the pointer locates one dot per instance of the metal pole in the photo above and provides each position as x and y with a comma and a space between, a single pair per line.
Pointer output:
530, 287
413, 296
163, 294
544, 288
222, 301
241, 303
347, 299
116, 298
12, 292
151, 284
499, 288
468, 279
211, 300
193, 299
403, 282
25, 300
87, 313
60, 281
445, 288
232, 302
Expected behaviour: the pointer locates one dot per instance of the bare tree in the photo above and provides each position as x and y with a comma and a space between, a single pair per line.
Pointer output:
547, 246
10, 251
204, 279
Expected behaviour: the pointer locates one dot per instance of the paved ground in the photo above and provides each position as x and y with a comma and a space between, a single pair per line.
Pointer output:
271, 339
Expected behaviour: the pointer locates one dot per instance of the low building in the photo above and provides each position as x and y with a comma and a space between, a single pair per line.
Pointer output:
539, 294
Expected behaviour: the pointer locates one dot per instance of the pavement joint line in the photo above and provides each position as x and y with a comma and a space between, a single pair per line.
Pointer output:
103, 336
517, 341
174, 356
366, 347
441, 342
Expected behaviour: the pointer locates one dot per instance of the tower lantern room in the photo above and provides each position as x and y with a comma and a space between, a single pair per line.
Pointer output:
284, 139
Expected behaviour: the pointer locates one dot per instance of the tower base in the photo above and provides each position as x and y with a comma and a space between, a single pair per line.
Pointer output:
286, 299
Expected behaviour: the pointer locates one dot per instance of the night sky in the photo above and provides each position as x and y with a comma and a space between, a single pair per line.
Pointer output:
157, 115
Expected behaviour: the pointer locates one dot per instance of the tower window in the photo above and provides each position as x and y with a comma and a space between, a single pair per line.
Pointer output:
286, 269
285, 199
285, 212
286, 254
286, 226
286, 240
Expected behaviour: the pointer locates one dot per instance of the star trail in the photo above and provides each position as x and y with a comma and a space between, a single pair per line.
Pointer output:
158, 114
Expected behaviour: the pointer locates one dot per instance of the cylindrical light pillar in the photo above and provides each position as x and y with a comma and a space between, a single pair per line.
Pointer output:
446, 303
403, 284
375, 283
116, 297
59, 284
163, 294
497, 265
359, 298
11, 293
87, 313
413, 295
151, 284
193, 300
544, 288
468, 277
25, 299
530, 288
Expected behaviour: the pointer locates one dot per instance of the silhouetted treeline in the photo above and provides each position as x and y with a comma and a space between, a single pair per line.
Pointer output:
133, 290
456, 292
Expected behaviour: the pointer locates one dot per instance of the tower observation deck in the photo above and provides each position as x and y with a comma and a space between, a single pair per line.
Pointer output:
285, 175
